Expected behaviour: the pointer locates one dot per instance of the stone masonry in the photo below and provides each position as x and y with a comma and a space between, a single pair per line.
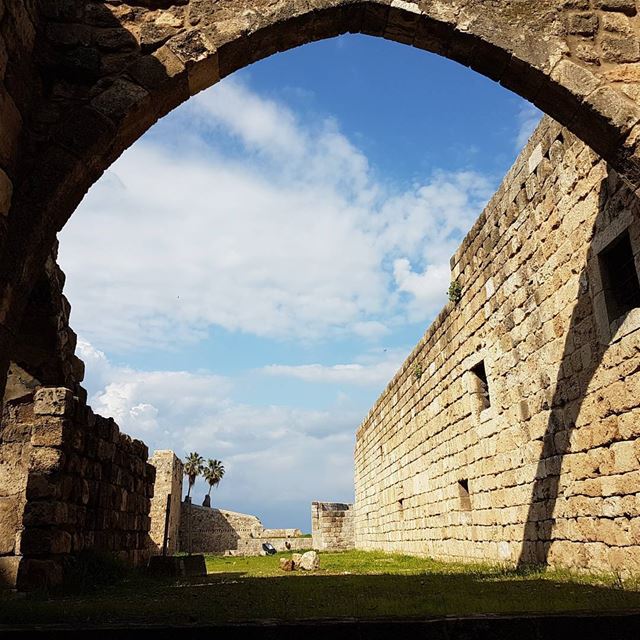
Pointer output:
512, 432
81, 80
70, 482
169, 476
332, 526
222, 531
203, 529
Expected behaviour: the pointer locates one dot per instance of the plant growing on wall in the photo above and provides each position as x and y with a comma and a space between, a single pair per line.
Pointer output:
455, 291
213, 473
418, 371
193, 467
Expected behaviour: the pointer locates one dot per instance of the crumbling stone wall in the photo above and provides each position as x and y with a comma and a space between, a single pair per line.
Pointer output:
76, 484
511, 433
332, 526
253, 546
221, 531
69, 480
169, 473
207, 530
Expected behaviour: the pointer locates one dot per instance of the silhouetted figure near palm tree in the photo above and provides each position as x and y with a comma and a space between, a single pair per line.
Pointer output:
193, 467
213, 473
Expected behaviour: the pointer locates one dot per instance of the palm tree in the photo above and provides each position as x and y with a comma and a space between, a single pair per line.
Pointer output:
212, 473
193, 467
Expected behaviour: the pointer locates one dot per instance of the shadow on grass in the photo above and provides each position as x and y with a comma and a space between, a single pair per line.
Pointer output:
231, 597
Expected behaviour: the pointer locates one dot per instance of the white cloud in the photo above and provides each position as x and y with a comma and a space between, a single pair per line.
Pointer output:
371, 372
260, 122
298, 241
528, 120
274, 455
426, 288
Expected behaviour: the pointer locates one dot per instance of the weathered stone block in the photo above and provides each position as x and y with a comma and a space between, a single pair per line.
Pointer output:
620, 49
10, 512
6, 192
627, 7
46, 460
584, 24
42, 514
45, 541
53, 401
52, 432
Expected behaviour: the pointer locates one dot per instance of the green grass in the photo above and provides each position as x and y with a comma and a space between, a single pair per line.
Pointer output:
352, 584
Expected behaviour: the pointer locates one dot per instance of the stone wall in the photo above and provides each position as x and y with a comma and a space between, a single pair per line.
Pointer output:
511, 431
332, 526
221, 531
70, 482
169, 472
253, 546
214, 530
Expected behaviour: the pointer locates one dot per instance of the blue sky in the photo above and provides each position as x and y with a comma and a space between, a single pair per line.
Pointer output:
247, 278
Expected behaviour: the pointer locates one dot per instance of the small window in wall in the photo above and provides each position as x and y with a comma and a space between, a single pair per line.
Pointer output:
481, 384
619, 277
465, 498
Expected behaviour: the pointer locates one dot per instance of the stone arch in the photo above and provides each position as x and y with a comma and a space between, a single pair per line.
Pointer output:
108, 70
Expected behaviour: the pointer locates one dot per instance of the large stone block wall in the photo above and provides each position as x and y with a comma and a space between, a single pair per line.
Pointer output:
332, 526
550, 471
169, 472
73, 483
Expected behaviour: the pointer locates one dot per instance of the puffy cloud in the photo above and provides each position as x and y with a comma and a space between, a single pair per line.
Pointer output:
369, 372
290, 235
278, 459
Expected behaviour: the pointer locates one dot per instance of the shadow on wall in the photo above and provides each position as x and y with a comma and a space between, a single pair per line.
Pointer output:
576, 399
206, 530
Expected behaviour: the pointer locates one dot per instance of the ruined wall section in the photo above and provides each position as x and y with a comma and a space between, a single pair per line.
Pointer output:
221, 531
332, 526
207, 530
511, 431
169, 474
82, 485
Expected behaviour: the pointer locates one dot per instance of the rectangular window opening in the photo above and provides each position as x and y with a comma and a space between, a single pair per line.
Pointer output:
482, 385
465, 498
619, 277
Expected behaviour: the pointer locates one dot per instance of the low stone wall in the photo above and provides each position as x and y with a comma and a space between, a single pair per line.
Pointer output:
332, 526
221, 531
169, 475
253, 546
280, 533
70, 481
207, 530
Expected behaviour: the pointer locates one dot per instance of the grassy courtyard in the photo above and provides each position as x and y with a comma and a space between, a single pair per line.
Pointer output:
353, 584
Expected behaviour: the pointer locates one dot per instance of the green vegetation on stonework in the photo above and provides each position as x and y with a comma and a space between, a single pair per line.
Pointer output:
351, 584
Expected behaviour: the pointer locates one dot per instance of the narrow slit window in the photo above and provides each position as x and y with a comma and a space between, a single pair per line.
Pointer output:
465, 498
619, 277
481, 385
